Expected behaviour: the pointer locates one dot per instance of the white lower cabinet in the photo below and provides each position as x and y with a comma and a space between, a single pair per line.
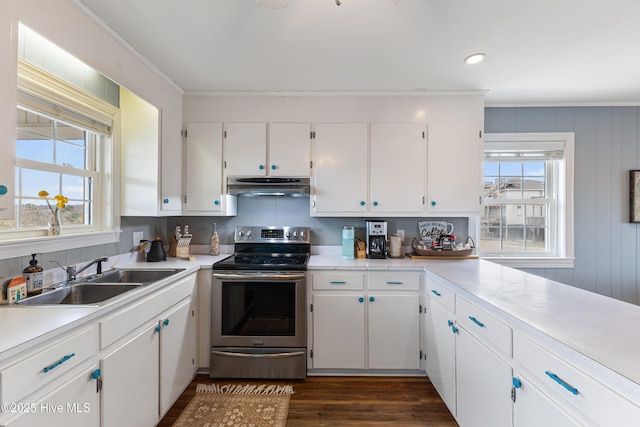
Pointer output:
365, 327
131, 381
440, 352
178, 347
532, 408
483, 384
75, 403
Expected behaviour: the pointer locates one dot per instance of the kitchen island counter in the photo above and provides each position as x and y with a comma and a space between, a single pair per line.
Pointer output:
597, 333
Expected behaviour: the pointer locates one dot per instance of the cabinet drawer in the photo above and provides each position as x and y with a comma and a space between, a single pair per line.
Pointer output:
484, 326
442, 295
120, 324
596, 401
347, 281
397, 281
45, 365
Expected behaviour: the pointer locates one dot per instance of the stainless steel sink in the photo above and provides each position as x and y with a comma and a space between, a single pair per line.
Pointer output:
134, 276
80, 294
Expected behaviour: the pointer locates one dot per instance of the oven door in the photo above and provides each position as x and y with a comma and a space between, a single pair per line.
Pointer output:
258, 309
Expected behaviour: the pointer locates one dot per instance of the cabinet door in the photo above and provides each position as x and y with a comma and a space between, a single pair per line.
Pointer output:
533, 409
394, 331
289, 149
483, 384
140, 157
441, 352
454, 181
130, 382
338, 331
75, 403
340, 168
203, 174
177, 352
245, 149
397, 168
171, 163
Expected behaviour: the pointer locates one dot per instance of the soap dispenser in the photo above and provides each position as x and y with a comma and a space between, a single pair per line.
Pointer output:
33, 275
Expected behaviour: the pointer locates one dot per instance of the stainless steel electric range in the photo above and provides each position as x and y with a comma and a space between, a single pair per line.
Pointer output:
258, 299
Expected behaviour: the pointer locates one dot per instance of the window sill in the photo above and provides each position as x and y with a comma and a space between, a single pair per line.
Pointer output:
41, 244
531, 262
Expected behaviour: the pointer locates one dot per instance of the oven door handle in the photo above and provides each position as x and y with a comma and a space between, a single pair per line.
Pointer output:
258, 356
259, 276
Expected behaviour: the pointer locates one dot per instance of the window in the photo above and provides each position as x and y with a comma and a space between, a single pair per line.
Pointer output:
528, 200
63, 146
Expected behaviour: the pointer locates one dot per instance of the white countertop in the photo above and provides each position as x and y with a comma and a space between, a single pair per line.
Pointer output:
26, 326
601, 329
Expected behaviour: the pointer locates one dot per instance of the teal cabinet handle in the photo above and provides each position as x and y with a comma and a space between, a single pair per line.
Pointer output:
166, 322
476, 321
58, 363
95, 374
452, 326
436, 293
216, 202
3, 190
261, 167
375, 203
158, 328
433, 203
273, 167
372, 299
335, 282
165, 201
516, 382
361, 299
561, 382
362, 203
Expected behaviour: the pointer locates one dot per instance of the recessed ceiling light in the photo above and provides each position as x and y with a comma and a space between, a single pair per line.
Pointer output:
475, 58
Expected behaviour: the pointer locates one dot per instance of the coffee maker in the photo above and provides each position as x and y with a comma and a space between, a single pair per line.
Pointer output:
376, 238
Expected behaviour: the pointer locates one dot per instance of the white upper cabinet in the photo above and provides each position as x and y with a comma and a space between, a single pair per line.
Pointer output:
454, 169
150, 159
340, 169
289, 149
245, 149
258, 149
360, 170
203, 184
397, 168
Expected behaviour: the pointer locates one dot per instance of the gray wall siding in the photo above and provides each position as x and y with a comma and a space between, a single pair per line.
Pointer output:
606, 148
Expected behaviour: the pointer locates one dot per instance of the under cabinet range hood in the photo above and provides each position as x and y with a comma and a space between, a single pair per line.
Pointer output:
268, 186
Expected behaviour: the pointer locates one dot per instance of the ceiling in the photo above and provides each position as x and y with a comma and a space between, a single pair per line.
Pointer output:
538, 52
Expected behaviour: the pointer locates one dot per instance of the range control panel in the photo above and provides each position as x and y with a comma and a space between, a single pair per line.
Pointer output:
271, 234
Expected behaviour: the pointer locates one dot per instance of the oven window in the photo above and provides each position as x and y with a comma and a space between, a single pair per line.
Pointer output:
258, 309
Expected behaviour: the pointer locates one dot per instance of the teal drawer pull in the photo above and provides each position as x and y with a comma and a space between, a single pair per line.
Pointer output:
58, 363
335, 282
436, 293
395, 283
166, 322
476, 321
372, 299
361, 299
158, 328
561, 382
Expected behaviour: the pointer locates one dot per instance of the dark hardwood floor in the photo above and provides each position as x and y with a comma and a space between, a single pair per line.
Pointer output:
348, 401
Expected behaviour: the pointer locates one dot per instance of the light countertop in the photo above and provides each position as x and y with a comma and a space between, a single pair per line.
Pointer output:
600, 329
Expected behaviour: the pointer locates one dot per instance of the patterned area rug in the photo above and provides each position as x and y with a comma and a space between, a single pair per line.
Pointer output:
237, 405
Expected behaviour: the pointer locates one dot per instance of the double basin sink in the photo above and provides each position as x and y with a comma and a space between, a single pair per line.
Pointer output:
94, 290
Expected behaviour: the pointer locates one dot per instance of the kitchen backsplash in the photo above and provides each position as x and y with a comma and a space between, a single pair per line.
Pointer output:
251, 211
